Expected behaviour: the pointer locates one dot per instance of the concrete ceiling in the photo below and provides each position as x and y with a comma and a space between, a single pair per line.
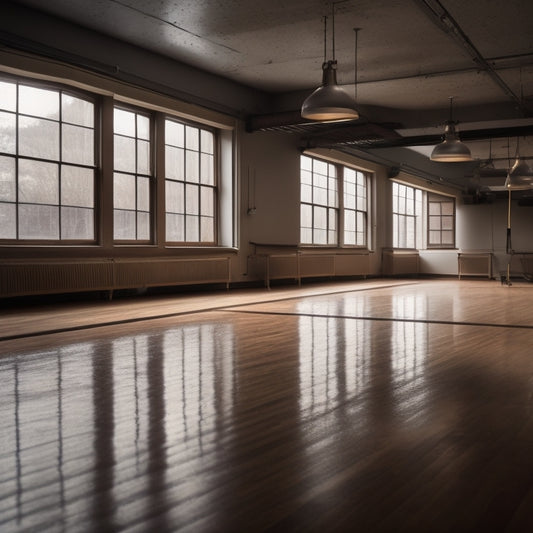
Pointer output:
412, 55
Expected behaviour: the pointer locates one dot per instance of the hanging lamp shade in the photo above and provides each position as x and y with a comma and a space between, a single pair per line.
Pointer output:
329, 101
451, 150
520, 176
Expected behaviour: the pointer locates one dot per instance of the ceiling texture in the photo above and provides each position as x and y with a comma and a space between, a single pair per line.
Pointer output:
409, 58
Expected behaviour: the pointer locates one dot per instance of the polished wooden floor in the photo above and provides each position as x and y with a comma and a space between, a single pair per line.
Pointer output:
375, 406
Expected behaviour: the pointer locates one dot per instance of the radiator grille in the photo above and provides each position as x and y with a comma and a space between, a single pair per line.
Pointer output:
25, 278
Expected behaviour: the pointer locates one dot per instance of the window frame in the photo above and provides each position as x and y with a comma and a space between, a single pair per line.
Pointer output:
61, 162
214, 186
440, 199
336, 172
152, 176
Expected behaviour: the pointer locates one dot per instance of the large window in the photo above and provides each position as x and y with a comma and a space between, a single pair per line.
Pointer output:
406, 216
190, 190
63, 183
132, 176
319, 202
409, 220
332, 196
47, 164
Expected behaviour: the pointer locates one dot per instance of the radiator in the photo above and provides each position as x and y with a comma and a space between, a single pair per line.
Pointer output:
297, 265
24, 278
352, 264
400, 262
53, 276
149, 273
474, 264
317, 265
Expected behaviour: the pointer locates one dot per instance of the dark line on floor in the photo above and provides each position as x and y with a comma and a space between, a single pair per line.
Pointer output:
387, 319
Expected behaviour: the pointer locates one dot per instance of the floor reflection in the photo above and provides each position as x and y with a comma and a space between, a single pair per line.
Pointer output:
121, 419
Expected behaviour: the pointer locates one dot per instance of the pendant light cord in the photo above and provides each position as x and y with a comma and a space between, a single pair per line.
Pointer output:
325, 38
356, 68
333, 29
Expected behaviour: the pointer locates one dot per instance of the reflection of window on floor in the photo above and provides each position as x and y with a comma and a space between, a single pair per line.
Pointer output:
332, 362
46, 425
199, 376
409, 351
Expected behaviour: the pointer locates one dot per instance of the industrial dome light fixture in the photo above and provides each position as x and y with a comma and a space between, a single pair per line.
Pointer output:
451, 150
520, 176
329, 102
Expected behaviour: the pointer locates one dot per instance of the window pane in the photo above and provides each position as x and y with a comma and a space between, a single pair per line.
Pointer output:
38, 138
38, 222
8, 137
320, 167
207, 229
434, 223
192, 229
306, 194
174, 133
143, 194
174, 197
77, 111
349, 220
175, 163
306, 235
306, 177
191, 166
191, 200
320, 217
143, 157
447, 237
175, 227
206, 202
320, 236
447, 208
410, 232
434, 237
124, 191
143, 127
8, 96
192, 138
447, 223
8, 220
349, 237
306, 163
124, 122
8, 188
77, 223
207, 169
77, 186
38, 102
38, 182
434, 208
124, 154
77, 145
143, 226
123, 224
206, 140
306, 216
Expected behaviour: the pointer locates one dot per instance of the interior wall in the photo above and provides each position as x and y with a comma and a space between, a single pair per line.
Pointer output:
484, 227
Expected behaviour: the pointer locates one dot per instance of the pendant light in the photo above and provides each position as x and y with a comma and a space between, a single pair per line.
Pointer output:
451, 150
329, 102
520, 176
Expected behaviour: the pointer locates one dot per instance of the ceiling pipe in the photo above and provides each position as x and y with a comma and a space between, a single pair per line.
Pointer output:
442, 18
